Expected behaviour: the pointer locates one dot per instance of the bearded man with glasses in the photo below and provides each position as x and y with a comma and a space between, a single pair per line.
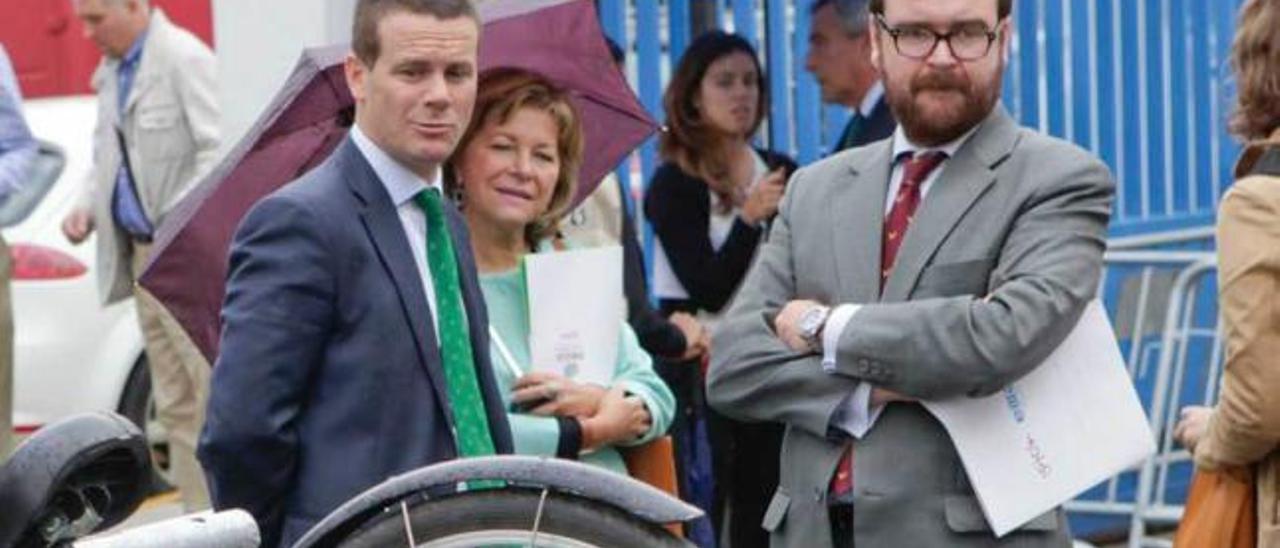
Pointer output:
947, 261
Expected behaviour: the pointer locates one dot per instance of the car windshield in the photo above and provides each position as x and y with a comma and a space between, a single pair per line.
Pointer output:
44, 172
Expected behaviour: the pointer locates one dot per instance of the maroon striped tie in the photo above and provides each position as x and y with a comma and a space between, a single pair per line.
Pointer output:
916, 169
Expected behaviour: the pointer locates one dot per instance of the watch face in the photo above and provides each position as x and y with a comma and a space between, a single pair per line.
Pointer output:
811, 320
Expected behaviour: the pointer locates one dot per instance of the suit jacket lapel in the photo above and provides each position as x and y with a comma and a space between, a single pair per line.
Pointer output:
382, 224
142, 81
146, 76
879, 125
858, 212
962, 181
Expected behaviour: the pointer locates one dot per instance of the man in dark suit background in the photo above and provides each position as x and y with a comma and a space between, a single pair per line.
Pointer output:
840, 59
354, 343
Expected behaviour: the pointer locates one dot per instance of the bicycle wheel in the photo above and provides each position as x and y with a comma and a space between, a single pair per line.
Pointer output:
507, 518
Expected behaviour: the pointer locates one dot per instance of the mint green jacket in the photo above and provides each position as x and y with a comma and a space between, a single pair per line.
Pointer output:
505, 297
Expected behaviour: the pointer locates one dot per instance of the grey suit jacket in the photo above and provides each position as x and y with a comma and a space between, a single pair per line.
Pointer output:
1002, 257
170, 124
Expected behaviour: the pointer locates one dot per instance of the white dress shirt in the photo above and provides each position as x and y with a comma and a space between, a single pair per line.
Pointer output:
402, 185
856, 416
871, 99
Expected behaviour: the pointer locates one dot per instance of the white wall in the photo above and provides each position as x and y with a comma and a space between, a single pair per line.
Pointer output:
258, 43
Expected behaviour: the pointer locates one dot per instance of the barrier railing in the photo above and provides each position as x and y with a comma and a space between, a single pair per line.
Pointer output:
1187, 374
1164, 306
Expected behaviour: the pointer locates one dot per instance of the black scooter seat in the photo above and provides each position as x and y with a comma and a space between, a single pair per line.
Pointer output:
79, 475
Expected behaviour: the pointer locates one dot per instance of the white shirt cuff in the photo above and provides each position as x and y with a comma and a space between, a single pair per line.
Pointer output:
831, 334
855, 416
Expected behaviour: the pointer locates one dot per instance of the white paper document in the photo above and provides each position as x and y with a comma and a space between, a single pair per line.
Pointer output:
1071, 423
576, 306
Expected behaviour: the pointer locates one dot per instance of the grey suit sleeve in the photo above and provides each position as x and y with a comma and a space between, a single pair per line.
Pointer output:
1047, 271
753, 375
276, 317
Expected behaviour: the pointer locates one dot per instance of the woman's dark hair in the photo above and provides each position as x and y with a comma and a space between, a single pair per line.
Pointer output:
690, 142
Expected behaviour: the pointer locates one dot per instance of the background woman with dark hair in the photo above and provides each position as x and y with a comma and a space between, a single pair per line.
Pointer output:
709, 203
1243, 429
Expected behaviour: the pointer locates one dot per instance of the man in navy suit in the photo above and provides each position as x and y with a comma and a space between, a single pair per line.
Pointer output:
354, 343
840, 59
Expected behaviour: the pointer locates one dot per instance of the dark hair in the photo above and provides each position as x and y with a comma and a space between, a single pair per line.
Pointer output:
689, 142
364, 29
1003, 7
1255, 58
502, 91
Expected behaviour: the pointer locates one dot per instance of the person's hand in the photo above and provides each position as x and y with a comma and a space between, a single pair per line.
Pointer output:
881, 396
787, 324
762, 200
620, 418
1192, 425
77, 225
697, 339
552, 395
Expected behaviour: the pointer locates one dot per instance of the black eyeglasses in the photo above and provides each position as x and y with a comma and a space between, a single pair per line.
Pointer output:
968, 42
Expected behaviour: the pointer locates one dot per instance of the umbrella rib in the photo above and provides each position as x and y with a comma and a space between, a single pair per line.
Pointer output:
615, 108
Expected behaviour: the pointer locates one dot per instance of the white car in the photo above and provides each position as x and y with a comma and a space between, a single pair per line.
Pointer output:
71, 354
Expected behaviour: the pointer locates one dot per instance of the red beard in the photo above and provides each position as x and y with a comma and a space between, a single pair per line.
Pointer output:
932, 128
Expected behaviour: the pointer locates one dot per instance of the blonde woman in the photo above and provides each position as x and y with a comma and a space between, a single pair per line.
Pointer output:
514, 175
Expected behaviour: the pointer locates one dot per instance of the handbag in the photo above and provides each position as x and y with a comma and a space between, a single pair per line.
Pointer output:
654, 463
1221, 510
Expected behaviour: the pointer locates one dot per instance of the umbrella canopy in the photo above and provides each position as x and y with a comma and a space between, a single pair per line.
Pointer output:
313, 111
562, 41
304, 123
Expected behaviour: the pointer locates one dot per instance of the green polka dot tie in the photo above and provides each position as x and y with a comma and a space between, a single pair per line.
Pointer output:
471, 424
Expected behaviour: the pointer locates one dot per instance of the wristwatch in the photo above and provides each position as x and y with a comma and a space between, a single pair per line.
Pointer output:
811, 324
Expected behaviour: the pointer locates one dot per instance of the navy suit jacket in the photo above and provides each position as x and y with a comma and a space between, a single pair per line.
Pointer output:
329, 379
879, 125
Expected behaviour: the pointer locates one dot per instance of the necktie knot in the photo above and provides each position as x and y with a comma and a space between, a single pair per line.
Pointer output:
918, 166
428, 199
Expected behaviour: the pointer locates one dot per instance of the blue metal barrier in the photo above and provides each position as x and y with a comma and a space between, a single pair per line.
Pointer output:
1142, 83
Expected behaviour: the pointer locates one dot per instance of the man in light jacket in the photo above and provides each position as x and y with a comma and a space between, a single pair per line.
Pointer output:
157, 132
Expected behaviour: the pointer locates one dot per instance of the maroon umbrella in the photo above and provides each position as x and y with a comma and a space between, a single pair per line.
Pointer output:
560, 39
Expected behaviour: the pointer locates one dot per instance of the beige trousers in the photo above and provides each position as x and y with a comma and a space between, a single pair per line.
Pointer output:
179, 384
6, 355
